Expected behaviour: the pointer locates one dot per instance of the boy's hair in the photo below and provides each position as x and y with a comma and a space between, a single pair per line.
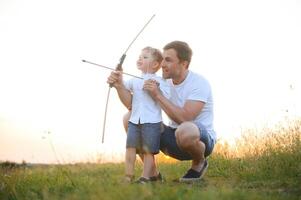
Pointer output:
183, 50
155, 53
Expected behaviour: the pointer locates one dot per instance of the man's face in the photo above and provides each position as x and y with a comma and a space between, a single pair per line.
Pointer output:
170, 65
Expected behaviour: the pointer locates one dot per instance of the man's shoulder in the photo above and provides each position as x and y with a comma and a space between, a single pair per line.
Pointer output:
196, 75
197, 78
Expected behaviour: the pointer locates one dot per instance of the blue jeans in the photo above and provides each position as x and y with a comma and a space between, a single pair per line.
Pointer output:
168, 144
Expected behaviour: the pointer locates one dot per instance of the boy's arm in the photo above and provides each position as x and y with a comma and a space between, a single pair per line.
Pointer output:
125, 96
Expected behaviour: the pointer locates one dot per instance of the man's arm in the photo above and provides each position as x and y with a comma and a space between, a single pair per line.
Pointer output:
188, 112
125, 95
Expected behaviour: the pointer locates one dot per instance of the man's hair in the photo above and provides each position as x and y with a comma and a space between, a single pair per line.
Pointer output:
183, 50
155, 53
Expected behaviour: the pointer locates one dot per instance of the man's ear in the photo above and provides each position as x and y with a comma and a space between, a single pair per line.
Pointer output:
185, 64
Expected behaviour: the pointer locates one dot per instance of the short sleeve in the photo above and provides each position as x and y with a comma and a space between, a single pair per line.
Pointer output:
200, 91
128, 84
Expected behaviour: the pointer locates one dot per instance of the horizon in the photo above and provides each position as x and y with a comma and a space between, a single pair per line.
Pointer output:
249, 52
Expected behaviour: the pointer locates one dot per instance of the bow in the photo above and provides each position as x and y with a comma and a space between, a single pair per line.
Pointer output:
112, 69
118, 68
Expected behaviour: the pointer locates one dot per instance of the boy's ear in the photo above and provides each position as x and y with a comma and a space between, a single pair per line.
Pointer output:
157, 65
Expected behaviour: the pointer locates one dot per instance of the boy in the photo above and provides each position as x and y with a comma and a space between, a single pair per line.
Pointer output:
145, 123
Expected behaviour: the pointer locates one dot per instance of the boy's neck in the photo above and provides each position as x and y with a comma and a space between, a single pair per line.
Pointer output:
148, 72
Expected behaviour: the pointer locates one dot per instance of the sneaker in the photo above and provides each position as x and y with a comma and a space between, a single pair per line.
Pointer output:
142, 180
193, 175
159, 178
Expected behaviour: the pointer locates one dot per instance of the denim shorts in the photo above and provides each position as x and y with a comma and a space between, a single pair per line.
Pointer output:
144, 137
168, 144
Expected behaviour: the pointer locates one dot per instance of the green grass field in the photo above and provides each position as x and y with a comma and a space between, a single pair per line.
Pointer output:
264, 164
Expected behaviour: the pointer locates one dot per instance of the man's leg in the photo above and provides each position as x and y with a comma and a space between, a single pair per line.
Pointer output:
188, 139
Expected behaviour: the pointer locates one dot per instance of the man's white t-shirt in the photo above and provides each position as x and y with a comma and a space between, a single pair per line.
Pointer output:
194, 87
144, 108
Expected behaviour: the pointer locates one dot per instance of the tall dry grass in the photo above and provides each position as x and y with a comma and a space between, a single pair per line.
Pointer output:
263, 154
285, 137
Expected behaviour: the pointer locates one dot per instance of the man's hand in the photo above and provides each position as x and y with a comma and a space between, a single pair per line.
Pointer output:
152, 87
115, 79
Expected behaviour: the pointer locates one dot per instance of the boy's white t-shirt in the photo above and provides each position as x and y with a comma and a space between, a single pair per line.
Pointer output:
144, 108
194, 87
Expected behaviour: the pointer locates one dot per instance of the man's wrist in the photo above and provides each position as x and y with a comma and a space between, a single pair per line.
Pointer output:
158, 96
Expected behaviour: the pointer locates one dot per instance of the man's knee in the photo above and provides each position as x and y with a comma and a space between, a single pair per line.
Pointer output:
125, 120
187, 134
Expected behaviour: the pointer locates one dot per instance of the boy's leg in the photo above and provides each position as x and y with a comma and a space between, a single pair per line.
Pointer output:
149, 165
130, 158
125, 121
150, 144
132, 143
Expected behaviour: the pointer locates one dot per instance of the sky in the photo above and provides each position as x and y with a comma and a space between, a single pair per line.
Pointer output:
52, 104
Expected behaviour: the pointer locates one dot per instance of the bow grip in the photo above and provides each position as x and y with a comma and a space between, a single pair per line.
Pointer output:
119, 65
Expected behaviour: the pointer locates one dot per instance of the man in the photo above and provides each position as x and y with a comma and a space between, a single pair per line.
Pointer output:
190, 134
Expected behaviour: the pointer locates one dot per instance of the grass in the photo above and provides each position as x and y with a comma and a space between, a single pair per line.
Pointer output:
263, 164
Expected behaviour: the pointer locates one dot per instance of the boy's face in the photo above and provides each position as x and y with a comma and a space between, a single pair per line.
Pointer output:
145, 61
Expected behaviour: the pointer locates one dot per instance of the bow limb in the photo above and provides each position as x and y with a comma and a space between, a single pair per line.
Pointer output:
119, 68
